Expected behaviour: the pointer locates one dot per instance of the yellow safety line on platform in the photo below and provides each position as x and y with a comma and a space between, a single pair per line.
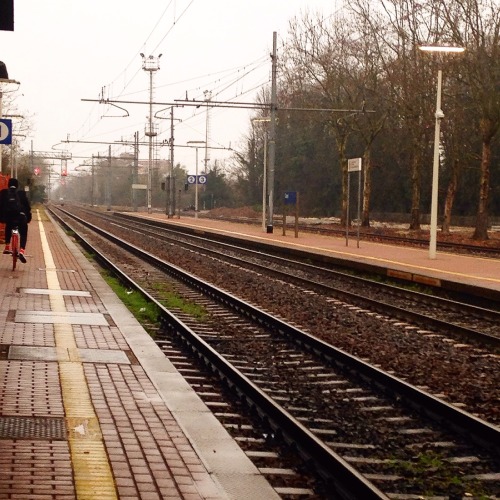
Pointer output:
91, 469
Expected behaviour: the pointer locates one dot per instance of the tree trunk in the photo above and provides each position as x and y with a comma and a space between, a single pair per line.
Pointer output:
450, 197
481, 231
415, 193
341, 140
367, 188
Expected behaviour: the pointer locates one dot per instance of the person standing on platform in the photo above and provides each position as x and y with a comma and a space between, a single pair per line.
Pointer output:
15, 210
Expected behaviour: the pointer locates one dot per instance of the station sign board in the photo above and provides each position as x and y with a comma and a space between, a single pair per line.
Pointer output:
5, 131
354, 165
191, 179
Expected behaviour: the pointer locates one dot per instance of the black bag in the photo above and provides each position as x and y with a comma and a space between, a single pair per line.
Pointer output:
12, 205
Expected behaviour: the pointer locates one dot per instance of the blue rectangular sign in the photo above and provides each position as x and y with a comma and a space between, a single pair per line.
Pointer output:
291, 198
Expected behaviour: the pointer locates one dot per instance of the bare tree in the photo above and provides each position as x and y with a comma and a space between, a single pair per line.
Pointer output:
475, 24
325, 62
368, 73
395, 31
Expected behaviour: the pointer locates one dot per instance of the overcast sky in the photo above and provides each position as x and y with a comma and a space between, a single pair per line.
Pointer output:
64, 51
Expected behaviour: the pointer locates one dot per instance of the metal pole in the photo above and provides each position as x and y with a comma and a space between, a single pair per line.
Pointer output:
359, 202
264, 184
171, 185
108, 187
272, 139
135, 170
92, 199
297, 215
196, 174
196, 188
347, 211
150, 161
208, 97
435, 171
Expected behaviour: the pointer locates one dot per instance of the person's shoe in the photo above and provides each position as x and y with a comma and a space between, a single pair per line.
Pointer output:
7, 250
21, 256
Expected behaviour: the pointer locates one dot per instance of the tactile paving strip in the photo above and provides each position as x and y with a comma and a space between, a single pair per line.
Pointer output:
33, 428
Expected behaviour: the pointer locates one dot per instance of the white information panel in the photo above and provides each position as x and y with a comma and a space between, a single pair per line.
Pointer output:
354, 165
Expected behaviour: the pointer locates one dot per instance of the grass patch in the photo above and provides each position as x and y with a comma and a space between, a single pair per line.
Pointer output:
148, 313
171, 300
425, 466
145, 312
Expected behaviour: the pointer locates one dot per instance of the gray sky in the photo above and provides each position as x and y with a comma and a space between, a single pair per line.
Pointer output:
64, 51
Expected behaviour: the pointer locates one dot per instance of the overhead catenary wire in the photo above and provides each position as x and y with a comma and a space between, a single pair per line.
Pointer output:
127, 83
236, 82
235, 73
224, 83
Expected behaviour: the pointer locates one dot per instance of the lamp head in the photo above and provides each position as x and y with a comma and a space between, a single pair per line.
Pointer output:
440, 48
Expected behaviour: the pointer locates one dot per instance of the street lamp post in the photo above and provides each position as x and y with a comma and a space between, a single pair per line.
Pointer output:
196, 180
435, 170
439, 115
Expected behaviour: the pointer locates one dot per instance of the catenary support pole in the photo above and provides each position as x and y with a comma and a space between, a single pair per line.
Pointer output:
272, 140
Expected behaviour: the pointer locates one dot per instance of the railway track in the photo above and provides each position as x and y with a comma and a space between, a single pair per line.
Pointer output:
462, 320
429, 311
374, 433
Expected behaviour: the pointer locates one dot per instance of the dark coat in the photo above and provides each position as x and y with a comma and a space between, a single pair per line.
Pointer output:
23, 201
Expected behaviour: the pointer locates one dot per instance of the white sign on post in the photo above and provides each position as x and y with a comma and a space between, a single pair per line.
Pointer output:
354, 165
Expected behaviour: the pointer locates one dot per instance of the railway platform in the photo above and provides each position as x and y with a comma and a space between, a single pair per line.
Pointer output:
89, 406
447, 270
